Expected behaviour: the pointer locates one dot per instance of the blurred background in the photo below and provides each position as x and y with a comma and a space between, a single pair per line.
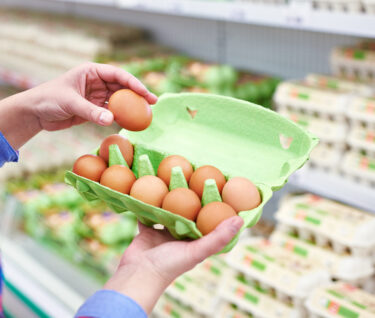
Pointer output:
313, 252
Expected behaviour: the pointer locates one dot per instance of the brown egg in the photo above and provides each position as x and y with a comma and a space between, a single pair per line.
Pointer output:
90, 167
201, 175
119, 178
183, 202
165, 168
149, 189
241, 194
130, 110
212, 214
123, 143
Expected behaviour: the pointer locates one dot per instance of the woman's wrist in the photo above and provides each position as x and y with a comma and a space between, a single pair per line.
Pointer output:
18, 122
143, 285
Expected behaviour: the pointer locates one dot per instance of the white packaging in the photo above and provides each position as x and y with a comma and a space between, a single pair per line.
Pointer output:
168, 307
360, 167
362, 138
322, 102
279, 272
352, 62
361, 110
358, 271
341, 300
353, 86
255, 300
326, 130
198, 288
328, 223
327, 156
228, 310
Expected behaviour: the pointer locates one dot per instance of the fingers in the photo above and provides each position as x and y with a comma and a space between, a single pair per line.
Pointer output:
81, 107
112, 74
215, 241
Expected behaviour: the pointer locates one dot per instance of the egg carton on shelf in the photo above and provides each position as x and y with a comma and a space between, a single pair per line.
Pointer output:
333, 82
231, 310
345, 229
276, 271
322, 102
255, 300
167, 307
270, 2
349, 6
340, 299
361, 111
198, 288
358, 271
353, 62
327, 156
360, 167
362, 139
326, 130
369, 6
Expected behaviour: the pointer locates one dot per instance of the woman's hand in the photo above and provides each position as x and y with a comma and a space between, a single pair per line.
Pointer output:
154, 259
75, 97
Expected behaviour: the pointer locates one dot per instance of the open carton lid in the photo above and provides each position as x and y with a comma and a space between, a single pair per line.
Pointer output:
237, 137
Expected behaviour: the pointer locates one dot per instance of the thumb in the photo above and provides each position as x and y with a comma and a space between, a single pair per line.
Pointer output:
91, 112
215, 241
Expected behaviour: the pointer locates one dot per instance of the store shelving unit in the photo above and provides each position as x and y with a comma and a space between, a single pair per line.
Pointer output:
335, 187
295, 14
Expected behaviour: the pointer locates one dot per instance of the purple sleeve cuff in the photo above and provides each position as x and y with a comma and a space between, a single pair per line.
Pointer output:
109, 303
7, 153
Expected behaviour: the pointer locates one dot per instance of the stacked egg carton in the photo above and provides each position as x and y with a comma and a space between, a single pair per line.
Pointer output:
50, 150
322, 104
340, 299
197, 290
275, 282
339, 235
359, 162
52, 44
322, 112
354, 62
350, 6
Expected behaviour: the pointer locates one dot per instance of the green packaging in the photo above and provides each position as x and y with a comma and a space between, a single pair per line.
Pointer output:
237, 137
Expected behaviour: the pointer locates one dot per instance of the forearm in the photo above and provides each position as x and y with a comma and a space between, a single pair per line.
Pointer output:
143, 286
17, 121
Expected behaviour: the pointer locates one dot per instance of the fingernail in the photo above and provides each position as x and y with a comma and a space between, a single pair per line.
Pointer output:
105, 118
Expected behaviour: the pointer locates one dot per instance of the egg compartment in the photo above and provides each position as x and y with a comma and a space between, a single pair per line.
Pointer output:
340, 299
358, 271
255, 300
237, 137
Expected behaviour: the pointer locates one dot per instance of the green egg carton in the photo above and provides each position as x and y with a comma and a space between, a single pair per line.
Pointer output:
237, 137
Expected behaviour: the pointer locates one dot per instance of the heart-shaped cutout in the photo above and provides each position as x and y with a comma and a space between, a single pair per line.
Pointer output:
285, 141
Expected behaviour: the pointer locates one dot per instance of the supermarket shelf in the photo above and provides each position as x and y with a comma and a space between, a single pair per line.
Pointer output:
44, 281
335, 187
295, 15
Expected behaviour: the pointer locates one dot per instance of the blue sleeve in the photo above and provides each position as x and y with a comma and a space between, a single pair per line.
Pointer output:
7, 153
109, 303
